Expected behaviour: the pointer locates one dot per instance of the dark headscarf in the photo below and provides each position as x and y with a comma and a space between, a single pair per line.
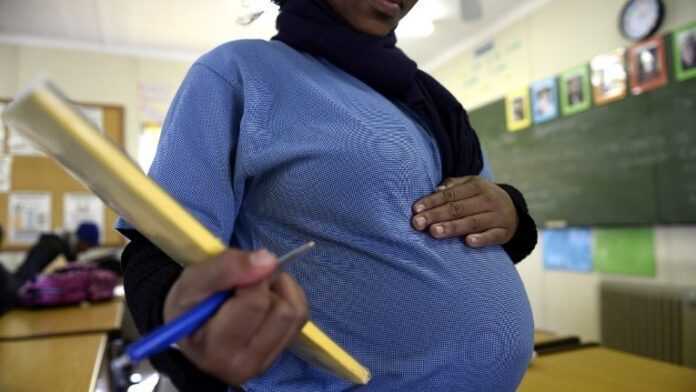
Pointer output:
312, 26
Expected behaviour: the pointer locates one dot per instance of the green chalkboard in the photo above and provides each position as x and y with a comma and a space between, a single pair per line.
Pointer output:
631, 162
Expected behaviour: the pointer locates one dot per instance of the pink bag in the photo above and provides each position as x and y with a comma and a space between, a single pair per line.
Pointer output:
69, 285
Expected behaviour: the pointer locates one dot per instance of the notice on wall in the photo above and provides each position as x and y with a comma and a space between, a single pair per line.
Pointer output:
5, 174
19, 144
154, 100
568, 249
625, 251
3, 129
30, 215
82, 207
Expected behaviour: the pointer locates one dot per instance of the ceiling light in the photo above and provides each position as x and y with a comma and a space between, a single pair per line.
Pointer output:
412, 27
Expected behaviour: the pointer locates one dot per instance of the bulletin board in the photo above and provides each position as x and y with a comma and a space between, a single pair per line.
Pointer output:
43, 174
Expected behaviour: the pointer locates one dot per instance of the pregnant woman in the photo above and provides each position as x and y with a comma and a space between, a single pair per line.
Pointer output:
330, 133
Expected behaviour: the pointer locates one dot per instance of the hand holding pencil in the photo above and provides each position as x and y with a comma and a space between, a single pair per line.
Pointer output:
251, 328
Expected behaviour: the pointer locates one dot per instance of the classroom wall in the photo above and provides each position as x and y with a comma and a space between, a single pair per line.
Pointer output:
557, 36
92, 77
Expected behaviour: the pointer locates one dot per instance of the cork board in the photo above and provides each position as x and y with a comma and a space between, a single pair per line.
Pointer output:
43, 174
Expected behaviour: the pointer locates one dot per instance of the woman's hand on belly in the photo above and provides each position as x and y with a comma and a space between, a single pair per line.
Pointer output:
470, 207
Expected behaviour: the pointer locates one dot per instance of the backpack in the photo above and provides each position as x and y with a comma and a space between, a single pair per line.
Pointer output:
69, 285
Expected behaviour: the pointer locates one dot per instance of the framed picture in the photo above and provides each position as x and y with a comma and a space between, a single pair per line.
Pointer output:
609, 82
647, 65
575, 90
544, 100
685, 52
517, 110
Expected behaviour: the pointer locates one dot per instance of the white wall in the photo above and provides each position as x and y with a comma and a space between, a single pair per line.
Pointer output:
91, 77
558, 36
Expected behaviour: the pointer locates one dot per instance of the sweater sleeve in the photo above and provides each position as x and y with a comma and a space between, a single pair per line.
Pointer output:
148, 276
525, 239
194, 164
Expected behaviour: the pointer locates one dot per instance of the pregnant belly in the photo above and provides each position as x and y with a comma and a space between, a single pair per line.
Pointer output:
458, 323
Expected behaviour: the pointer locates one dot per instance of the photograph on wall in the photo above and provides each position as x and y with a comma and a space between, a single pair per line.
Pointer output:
29, 216
575, 90
518, 113
79, 207
685, 52
544, 100
609, 79
5, 174
647, 65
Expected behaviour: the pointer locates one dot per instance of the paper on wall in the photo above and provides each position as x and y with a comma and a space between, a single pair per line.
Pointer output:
82, 207
30, 215
5, 174
3, 131
20, 145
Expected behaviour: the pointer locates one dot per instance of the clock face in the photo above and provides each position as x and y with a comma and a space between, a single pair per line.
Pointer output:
641, 18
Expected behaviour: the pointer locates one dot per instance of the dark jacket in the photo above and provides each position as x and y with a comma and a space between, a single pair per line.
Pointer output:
47, 248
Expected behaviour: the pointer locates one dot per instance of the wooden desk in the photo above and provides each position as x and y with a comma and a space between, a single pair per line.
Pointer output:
599, 369
88, 318
69, 363
541, 336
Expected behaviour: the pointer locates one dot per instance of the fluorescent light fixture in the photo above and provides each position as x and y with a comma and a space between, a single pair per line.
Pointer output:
420, 22
415, 27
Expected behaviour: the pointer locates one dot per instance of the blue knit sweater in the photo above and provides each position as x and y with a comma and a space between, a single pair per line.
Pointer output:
270, 147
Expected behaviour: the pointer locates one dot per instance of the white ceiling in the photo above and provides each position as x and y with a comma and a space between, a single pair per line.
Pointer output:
185, 28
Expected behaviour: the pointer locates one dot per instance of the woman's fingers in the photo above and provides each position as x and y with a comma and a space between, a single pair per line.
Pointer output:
468, 187
464, 206
496, 236
243, 314
473, 224
282, 324
451, 211
229, 270
452, 181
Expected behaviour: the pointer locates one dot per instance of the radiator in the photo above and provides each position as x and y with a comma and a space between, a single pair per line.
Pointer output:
656, 321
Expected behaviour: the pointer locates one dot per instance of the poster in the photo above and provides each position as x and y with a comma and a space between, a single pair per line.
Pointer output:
609, 82
82, 207
3, 130
575, 90
517, 110
684, 51
647, 65
94, 114
5, 174
568, 249
30, 215
625, 251
154, 100
20, 145
544, 100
